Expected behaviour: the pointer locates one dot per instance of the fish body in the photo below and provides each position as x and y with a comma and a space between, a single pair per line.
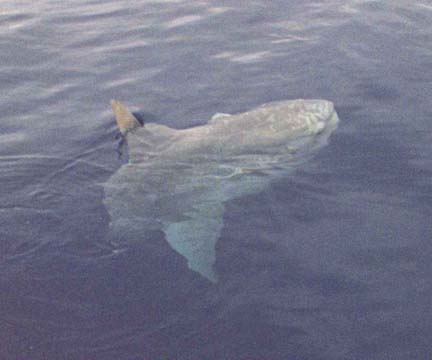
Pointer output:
178, 180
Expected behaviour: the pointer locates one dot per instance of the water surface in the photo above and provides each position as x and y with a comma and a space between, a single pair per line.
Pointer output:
332, 262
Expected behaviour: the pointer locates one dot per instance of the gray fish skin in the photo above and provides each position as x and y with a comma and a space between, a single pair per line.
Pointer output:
178, 181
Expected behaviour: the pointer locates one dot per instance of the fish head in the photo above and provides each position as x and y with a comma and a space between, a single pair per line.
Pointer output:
300, 118
294, 125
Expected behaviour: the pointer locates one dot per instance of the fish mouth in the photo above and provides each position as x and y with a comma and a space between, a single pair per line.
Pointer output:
333, 120
328, 125
322, 132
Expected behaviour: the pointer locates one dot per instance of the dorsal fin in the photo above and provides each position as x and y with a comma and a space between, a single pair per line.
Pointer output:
126, 121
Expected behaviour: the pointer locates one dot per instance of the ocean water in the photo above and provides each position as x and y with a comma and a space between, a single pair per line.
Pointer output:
331, 263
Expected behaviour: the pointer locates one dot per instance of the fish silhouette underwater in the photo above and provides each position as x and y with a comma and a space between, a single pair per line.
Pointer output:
178, 180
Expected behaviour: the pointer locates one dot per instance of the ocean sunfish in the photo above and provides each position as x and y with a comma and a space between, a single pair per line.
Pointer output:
178, 180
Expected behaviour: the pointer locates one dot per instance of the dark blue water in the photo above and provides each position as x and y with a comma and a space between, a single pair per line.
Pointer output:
330, 263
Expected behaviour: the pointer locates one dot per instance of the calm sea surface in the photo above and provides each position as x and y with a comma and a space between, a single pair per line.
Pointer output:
331, 263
